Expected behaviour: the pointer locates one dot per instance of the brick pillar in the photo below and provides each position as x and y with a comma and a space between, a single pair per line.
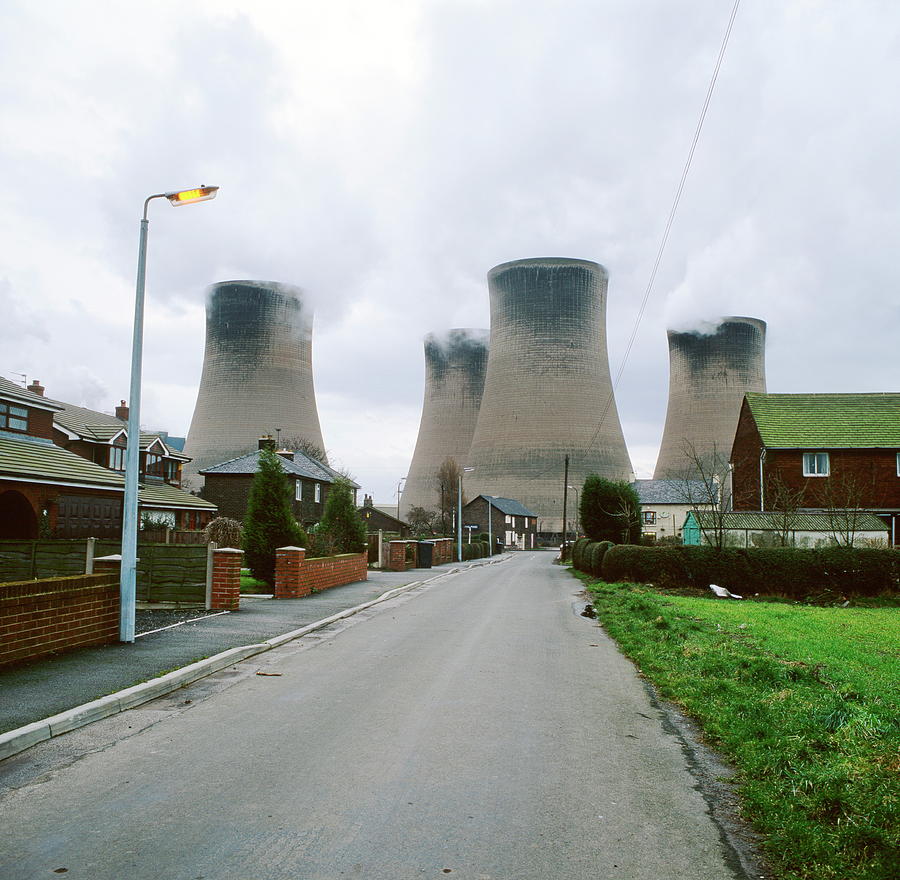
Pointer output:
226, 579
289, 580
397, 556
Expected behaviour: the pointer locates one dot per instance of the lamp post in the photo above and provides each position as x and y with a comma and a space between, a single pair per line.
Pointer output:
127, 585
489, 499
465, 470
399, 486
576, 510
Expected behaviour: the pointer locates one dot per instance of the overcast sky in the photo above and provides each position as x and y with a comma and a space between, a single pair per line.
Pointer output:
384, 156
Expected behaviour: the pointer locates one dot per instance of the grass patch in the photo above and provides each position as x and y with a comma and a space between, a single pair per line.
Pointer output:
251, 585
803, 700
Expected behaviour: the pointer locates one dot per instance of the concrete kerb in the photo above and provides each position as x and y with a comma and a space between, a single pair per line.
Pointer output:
14, 741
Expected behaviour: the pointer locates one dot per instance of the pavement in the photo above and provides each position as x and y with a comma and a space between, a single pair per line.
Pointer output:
50, 696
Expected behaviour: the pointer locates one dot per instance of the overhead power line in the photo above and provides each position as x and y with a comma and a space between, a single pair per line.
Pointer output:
669, 221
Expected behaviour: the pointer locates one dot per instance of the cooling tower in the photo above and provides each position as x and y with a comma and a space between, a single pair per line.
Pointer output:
708, 377
454, 381
547, 392
257, 373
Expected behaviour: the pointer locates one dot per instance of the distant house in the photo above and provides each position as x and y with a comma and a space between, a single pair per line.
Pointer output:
665, 505
819, 452
228, 483
378, 519
68, 463
510, 520
756, 529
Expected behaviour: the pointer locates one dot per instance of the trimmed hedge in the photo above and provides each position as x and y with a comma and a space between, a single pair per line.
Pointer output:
578, 553
788, 571
475, 550
587, 555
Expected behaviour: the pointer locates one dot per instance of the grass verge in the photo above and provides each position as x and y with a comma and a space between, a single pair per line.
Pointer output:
804, 701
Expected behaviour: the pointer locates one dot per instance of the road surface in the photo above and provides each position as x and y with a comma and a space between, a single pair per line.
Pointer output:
477, 728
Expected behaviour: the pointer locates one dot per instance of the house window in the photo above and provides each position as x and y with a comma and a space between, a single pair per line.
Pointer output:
153, 465
815, 464
898, 464
650, 517
15, 418
298, 490
117, 458
318, 497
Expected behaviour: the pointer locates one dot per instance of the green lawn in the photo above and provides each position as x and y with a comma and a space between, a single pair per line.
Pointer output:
252, 585
805, 701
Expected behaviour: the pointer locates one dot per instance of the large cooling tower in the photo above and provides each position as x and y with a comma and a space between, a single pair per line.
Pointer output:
708, 377
547, 392
454, 380
257, 373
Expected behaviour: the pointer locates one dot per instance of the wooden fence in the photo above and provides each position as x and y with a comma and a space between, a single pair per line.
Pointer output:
165, 572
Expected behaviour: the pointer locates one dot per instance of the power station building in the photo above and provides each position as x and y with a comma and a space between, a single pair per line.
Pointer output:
709, 374
548, 391
455, 365
257, 373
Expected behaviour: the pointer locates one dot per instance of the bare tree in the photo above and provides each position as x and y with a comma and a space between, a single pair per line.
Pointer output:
422, 521
447, 485
706, 487
786, 502
843, 498
306, 446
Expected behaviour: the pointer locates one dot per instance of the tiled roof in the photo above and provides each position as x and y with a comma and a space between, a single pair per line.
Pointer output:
795, 522
669, 491
41, 460
10, 389
301, 466
163, 495
508, 506
827, 421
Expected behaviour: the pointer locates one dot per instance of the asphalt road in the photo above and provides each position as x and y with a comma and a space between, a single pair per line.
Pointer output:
476, 728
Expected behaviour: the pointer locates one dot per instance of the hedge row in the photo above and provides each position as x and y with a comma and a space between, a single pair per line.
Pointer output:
786, 571
587, 555
475, 550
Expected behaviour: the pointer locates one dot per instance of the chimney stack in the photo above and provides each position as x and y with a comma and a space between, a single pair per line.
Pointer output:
122, 412
286, 453
266, 442
36, 388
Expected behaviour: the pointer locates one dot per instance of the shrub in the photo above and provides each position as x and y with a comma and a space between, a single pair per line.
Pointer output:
595, 553
341, 529
610, 511
224, 532
269, 522
578, 553
788, 571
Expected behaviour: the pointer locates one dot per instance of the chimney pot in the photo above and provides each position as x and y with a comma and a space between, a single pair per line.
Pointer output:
36, 388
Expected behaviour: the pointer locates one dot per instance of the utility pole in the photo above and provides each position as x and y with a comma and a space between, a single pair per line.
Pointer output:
565, 501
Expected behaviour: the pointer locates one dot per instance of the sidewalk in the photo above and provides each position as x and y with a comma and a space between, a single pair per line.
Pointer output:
37, 690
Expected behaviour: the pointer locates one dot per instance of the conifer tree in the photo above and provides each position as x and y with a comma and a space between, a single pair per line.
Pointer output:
610, 511
269, 522
342, 528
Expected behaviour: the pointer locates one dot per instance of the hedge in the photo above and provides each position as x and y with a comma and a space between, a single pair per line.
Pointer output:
789, 571
578, 553
475, 550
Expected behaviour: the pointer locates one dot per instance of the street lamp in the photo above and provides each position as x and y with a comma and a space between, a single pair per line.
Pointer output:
576, 510
399, 485
465, 470
128, 579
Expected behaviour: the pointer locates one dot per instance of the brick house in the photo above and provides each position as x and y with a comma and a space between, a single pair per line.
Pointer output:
377, 519
98, 439
511, 521
819, 452
228, 483
45, 489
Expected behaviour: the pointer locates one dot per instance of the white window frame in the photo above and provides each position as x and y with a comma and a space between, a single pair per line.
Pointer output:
811, 464
649, 517
318, 491
298, 490
898, 464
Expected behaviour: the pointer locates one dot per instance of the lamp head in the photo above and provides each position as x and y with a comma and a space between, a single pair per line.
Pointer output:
189, 196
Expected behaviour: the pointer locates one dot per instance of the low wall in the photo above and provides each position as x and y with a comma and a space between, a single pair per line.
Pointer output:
42, 617
296, 576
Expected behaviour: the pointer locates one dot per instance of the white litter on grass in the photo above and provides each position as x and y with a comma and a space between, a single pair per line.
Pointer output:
722, 593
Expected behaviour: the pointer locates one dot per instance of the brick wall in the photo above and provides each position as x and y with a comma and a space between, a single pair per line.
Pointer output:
297, 576
56, 614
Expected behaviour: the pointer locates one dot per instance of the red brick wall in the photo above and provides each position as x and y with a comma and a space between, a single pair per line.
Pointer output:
296, 576
45, 616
